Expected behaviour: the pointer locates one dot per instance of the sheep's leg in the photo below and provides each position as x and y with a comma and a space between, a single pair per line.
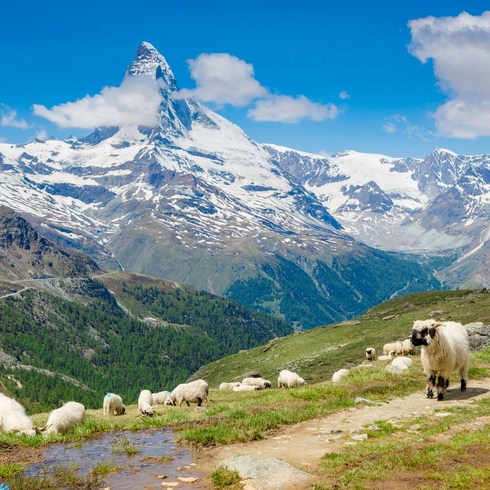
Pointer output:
188, 404
431, 384
441, 388
464, 376
199, 401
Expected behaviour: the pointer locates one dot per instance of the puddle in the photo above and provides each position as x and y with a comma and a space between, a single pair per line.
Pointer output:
159, 455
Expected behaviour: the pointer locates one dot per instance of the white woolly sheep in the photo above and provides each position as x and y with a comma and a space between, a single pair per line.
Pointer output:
159, 398
145, 401
338, 375
407, 347
13, 417
261, 383
64, 418
229, 386
113, 405
370, 353
396, 347
193, 392
245, 388
389, 357
445, 348
288, 379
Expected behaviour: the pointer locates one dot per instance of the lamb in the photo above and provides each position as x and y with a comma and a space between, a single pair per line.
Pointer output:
145, 401
445, 348
64, 418
396, 347
407, 347
113, 405
370, 353
261, 383
338, 375
229, 386
288, 379
195, 391
13, 417
159, 398
389, 357
245, 388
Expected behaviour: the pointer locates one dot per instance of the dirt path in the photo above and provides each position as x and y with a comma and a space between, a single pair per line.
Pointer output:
303, 445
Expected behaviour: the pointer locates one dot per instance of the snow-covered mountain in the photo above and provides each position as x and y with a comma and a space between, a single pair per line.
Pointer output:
439, 203
196, 200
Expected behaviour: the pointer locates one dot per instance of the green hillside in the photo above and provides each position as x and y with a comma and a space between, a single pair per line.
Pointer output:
317, 353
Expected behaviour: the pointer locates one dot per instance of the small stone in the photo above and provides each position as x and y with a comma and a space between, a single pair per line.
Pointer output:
360, 400
179, 468
360, 437
372, 427
336, 431
192, 464
170, 484
188, 479
354, 431
350, 443
415, 427
249, 486
443, 414
335, 437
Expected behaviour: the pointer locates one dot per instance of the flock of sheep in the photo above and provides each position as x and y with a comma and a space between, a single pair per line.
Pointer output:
444, 349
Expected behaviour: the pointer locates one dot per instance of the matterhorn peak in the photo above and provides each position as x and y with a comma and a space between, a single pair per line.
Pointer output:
150, 62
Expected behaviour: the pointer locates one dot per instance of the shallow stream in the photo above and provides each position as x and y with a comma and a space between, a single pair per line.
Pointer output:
158, 456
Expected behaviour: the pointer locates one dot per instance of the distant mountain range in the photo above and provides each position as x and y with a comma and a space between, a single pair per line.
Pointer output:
195, 200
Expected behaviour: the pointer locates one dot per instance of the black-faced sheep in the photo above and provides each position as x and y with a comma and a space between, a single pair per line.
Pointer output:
13, 417
407, 347
113, 405
145, 401
261, 383
288, 379
193, 392
370, 353
445, 348
64, 418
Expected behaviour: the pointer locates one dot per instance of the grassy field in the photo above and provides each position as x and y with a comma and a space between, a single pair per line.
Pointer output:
317, 353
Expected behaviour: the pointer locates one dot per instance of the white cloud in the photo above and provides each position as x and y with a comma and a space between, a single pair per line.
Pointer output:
42, 135
8, 117
399, 123
223, 79
389, 128
283, 108
134, 103
344, 95
460, 49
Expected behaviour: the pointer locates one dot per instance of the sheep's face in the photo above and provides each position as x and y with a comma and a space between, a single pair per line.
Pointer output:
424, 331
169, 401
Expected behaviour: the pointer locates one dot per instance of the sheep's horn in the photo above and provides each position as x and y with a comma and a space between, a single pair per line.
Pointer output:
437, 324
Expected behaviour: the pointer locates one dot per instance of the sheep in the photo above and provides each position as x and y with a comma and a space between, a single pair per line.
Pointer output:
338, 375
389, 357
245, 388
445, 348
195, 391
13, 417
261, 383
396, 346
113, 405
229, 386
370, 353
145, 401
288, 379
63, 418
407, 347
159, 398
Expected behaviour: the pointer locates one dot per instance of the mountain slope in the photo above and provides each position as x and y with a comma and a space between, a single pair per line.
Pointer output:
64, 337
197, 201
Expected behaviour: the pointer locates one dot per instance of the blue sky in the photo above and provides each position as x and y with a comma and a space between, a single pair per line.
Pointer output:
56, 52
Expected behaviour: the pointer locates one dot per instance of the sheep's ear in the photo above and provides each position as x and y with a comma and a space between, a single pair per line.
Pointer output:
437, 324
42, 429
432, 332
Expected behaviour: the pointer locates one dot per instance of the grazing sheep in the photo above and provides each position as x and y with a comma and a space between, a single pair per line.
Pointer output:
261, 383
407, 347
64, 418
245, 388
445, 348
288, 379
159, 398
113, 405
338, 375
396, 347
194, 392
228, 386
145, 401
389, 357
13, 417
370, 353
